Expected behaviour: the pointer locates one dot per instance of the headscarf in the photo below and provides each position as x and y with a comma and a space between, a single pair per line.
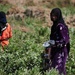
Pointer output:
3, 17
57, 12
3, 21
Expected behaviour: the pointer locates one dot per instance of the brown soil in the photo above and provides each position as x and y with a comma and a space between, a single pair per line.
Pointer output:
38, 10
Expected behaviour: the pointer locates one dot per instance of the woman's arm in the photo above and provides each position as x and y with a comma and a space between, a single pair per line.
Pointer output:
63, 35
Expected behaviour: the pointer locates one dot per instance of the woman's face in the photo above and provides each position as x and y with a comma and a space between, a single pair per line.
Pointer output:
54, 18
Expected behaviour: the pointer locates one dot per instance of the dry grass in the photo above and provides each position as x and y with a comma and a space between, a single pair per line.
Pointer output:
37, 6
40, 2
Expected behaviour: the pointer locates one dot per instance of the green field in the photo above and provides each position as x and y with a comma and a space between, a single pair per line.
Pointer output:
23, 55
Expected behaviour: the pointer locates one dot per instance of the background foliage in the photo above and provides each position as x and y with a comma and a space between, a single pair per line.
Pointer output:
23, 55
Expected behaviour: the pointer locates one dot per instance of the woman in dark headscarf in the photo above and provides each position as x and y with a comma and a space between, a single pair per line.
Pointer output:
5, 30
60, 34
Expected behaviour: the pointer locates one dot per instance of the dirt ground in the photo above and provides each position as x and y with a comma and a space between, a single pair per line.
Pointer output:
36, 9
